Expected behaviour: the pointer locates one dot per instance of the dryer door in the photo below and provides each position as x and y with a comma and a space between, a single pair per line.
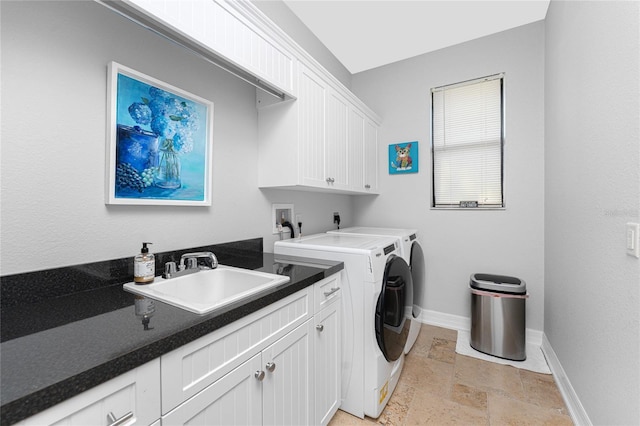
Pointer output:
418, 275
416, 262
392, 320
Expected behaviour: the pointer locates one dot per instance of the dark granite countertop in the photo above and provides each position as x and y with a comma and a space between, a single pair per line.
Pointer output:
57, 347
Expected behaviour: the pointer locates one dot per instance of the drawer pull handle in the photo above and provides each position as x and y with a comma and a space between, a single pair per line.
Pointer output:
259, 374
320, 327
117, 422
270, 366
329, 293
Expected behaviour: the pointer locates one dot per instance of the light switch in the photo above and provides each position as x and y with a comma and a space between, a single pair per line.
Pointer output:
633, 239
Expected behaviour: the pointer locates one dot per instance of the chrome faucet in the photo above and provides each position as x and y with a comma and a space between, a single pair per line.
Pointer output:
191, 267
194, 263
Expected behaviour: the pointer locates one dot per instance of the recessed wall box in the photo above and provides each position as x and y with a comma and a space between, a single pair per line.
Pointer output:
281, 213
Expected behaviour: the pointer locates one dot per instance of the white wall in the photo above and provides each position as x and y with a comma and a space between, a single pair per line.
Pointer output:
592, 172
54, 73
459, 243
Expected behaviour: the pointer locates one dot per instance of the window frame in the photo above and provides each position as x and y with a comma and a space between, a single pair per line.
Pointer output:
433, 205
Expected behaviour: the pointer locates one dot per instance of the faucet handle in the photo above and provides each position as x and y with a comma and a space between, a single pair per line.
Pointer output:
169, 269
192, 263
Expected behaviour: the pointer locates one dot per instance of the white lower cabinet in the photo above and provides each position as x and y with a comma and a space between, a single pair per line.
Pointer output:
287, 388
132, 398
327, 368
278, 366
291, 375
235, 399
271, 388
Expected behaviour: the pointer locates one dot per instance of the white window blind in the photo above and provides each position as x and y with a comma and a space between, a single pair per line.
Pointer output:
467, 142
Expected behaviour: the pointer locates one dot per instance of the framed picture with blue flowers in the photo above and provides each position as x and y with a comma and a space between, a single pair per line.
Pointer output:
159, 142
403, 158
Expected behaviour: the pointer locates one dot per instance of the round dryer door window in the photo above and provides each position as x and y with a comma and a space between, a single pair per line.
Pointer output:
392, 319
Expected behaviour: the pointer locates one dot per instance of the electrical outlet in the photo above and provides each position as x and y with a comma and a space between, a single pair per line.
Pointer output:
336, 217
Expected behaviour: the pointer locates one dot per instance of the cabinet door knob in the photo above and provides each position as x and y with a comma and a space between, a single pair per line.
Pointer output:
259, 374
320, 327
122, 420
367, 186
270, 366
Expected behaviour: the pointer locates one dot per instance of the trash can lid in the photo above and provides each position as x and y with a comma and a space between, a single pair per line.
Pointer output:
498, 283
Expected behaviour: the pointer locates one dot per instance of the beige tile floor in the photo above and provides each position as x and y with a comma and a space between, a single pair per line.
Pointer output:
439, 387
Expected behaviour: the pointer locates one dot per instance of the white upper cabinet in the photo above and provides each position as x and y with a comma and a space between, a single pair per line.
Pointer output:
221, 29
311, 130
356, 147
318, 135
370, 157
322, 141
337, 142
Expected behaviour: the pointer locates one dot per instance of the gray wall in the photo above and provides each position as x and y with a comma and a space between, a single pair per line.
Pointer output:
592, 188
54, 73
459, 243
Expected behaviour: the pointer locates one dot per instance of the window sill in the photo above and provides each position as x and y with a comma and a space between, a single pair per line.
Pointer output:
472, 209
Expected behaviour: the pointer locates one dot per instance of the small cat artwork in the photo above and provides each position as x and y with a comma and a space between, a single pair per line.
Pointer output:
403, 158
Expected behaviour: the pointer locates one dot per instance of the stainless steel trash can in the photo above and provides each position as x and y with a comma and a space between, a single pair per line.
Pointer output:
498, 315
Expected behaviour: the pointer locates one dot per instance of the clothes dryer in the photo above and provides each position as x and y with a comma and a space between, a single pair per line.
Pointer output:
377, 285
411, 251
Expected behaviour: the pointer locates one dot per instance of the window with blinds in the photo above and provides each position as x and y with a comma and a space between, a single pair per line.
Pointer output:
467, 125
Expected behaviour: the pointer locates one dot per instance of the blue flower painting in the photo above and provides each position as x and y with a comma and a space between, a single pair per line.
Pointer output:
403, 158
162, 143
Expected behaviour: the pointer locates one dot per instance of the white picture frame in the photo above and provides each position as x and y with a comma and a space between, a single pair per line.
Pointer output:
159, 142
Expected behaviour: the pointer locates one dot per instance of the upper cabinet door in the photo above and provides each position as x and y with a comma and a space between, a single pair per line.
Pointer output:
337, 143
312, 126
216, 26
371, 157
356, 149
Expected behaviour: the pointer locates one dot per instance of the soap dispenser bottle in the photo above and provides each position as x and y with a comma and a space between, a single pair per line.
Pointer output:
144, 266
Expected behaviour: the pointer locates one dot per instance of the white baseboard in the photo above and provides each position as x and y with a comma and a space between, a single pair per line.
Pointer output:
574, 406
458, 322
440, 319
535, 337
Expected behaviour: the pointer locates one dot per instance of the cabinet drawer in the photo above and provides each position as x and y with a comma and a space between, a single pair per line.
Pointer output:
191, 368
326, 291
135, 394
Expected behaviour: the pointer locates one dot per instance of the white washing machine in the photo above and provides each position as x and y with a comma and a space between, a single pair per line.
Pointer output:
411, 251
377, 284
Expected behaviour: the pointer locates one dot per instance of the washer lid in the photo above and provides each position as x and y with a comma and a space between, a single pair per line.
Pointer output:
348, 243
368, 230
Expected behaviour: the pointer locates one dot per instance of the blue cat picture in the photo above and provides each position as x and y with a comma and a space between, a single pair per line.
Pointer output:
403, 158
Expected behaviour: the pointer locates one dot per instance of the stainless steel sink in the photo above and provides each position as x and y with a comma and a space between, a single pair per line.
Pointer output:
208, 290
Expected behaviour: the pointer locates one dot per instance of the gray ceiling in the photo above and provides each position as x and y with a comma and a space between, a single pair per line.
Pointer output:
365, 34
